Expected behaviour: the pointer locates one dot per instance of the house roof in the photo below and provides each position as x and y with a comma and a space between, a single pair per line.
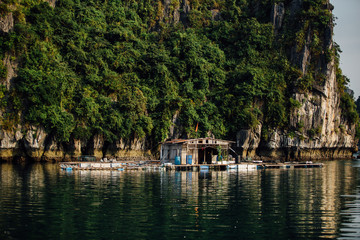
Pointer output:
178, 141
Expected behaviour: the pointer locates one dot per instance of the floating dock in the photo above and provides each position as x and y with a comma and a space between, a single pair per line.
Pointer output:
122, 166
242, 166
119, 166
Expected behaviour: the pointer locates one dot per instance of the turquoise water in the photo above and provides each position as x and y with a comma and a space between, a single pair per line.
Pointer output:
40, 201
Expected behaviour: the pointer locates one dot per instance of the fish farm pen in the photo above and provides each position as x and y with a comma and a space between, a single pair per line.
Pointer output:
200, 154
122, 166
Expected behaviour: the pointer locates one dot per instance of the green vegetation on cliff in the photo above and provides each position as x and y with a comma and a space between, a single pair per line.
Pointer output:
124, 69
358, 112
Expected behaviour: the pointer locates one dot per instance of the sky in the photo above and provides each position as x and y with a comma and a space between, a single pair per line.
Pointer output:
347, 35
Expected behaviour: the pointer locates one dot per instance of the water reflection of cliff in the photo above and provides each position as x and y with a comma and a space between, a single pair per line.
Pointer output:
350, 213
279, 204
295, 202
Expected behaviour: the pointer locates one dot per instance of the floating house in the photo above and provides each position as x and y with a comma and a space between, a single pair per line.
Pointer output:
194, 151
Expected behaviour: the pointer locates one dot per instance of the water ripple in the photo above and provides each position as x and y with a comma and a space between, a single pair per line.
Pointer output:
350, 228
42, 202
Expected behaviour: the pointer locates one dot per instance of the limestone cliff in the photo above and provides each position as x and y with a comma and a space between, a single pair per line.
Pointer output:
321, 132
317, 126
317, 129
24, 141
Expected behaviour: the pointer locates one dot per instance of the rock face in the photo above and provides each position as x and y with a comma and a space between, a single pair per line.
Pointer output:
11, 67
277, 16
322, 131
248, 140
52, 3
34, 143
7, 22
175, 11
324, 134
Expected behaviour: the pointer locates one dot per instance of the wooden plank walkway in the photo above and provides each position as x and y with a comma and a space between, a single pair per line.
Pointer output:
243, 166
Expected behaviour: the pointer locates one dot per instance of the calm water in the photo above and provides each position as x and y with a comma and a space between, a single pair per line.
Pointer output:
40, 201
